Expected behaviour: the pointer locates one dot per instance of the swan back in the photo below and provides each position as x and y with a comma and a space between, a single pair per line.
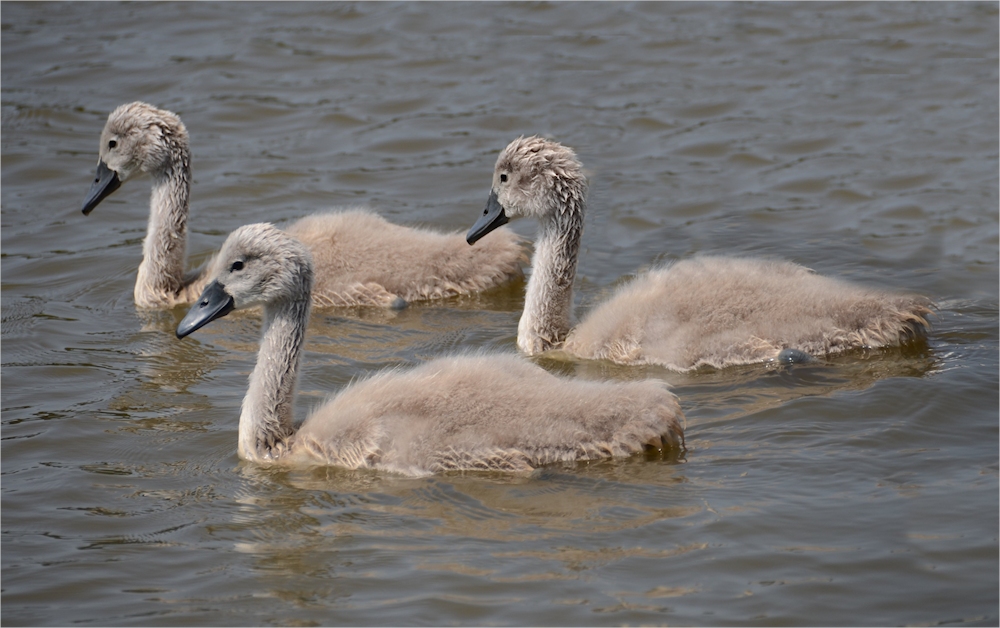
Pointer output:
360, 258
486, 412
718, 312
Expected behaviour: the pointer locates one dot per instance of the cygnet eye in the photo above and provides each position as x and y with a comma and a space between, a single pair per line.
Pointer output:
503, 178
237, 265
112, 144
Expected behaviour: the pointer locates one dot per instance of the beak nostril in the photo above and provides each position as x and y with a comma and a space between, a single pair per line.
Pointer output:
485, 212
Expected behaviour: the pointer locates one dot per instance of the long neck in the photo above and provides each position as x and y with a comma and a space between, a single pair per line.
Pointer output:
266, 421
549, 299
161, 276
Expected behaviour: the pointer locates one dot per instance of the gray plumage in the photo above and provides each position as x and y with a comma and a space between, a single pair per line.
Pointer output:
360, 258
474, 412
706, 311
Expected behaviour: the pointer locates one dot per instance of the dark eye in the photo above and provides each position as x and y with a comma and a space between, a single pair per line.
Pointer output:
503, 178
237, 265
112, 144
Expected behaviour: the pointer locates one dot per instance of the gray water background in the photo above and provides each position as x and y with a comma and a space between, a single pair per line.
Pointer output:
858, 139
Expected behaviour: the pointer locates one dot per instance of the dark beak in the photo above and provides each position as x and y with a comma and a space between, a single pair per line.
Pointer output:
214, 303
105, 183
493, 217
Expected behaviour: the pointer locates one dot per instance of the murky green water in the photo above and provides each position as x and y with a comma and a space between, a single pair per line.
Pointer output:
857, 139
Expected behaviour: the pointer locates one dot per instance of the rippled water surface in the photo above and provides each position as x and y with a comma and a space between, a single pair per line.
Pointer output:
857, 139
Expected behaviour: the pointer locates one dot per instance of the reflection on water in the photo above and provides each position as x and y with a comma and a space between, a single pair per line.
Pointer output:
857, 139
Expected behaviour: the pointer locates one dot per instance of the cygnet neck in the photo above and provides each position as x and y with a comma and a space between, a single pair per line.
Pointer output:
161, 279
548, 302
266, 420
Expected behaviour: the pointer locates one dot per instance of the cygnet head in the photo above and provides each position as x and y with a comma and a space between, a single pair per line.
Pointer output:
536, 177
137, 137
259, 264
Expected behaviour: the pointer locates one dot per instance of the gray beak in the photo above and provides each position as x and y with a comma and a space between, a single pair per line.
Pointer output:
105, 183
214, 303
493, 217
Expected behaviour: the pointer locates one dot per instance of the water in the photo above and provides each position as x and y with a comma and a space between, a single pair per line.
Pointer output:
857, 139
